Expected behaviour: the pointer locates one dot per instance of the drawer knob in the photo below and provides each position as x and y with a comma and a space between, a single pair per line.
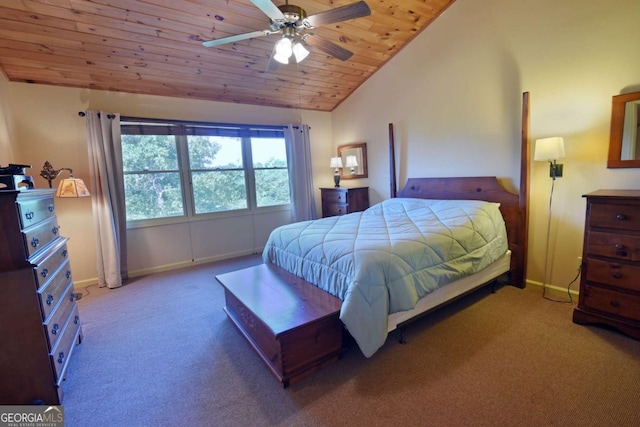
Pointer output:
44, 272
615, 303
55, 230
616, 274
67, 274
621, 217
49, 299
61, 357
76, 320
620, 250
29, 215
54, 331
64, 253
35, 242
51, 207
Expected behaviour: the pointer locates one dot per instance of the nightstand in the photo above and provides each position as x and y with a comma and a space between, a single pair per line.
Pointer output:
342, 200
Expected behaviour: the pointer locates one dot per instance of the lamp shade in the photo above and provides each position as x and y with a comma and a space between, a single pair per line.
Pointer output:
548, 149
300, 52
352, 162
336, 162
284, 47
72, 187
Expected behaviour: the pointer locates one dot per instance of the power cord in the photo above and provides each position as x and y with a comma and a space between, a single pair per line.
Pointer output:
546, 257
79, 295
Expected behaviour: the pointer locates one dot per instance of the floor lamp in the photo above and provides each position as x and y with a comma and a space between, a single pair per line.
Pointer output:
550, 150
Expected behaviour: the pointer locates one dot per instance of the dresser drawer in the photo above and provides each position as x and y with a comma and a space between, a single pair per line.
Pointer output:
334, 209
62, 352
613, 273
623, 217
612, 245
608, 301
39, 236
54, 323
53, 290
35, 211
334, 196
50, 261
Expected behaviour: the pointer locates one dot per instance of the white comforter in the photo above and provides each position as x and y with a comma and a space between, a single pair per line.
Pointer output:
384, 259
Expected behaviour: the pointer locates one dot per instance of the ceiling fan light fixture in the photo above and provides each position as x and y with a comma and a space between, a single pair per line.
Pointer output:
284, 47
300, 52
281, 58
291, 21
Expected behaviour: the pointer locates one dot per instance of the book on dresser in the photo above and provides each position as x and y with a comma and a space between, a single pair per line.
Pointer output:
39, 320
610, 280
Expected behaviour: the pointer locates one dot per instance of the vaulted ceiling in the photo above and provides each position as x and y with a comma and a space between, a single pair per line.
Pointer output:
155, 47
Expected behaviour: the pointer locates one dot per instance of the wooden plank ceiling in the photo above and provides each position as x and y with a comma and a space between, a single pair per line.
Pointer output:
155, 47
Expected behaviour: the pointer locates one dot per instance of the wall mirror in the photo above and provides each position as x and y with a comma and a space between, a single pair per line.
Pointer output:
624, 143
354, 160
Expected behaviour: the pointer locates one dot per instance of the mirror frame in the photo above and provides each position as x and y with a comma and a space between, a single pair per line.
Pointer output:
617, 127
361, 161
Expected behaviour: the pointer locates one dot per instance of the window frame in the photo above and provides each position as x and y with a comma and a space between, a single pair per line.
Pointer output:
180, 131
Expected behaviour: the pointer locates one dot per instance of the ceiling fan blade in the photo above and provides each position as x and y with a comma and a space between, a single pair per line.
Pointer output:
269, 9
343, 13
328, 47
231, 39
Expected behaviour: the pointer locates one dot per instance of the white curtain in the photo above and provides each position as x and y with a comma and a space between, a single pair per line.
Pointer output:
107, 197
303, 206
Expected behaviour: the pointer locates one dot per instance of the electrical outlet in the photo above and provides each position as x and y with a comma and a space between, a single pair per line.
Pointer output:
579, 264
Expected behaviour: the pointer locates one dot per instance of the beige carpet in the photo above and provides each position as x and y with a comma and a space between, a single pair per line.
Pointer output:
161, 352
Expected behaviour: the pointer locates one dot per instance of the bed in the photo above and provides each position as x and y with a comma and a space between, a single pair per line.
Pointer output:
385, 259
383, 263
321, 261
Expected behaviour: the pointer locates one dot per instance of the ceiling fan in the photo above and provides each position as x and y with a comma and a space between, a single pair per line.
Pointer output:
292, 22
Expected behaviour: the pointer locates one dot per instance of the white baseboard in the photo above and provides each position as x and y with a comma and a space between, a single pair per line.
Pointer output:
168, 267
573, 291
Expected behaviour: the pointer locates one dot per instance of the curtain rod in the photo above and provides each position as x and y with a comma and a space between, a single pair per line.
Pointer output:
150, 120
110, 116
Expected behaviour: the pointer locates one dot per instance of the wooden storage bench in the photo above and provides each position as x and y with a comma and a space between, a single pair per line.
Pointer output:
293, 325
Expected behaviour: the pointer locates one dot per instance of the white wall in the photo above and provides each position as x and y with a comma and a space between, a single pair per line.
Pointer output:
46, 126
454, 96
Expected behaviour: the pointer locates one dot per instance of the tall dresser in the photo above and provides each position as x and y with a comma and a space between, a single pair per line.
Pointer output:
610, 282
39, 323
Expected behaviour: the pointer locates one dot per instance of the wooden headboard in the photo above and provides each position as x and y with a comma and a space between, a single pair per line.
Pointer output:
513, 206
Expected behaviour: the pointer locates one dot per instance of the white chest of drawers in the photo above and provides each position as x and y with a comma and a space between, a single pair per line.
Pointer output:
39, 321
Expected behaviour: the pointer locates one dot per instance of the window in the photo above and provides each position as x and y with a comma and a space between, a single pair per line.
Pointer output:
182, 170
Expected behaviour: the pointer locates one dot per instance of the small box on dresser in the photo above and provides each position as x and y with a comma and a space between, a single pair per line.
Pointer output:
610, 281
39, 321
343, 200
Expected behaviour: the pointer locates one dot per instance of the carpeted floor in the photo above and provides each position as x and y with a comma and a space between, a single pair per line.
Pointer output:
160, 351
